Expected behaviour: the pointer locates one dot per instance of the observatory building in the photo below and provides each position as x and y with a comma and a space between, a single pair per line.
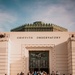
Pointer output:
37, 46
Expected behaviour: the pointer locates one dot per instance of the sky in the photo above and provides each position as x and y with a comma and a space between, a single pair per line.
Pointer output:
14, 13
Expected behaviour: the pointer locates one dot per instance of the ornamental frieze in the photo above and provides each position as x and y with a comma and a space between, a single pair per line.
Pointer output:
3, 37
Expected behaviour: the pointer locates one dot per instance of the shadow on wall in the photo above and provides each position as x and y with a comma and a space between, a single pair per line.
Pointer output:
61, 52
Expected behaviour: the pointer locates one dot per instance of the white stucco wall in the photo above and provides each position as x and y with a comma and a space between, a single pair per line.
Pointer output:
3, 58
60, 49
22, 42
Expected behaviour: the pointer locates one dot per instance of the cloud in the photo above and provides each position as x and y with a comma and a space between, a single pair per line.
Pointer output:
61, 14
58, 12
6, 19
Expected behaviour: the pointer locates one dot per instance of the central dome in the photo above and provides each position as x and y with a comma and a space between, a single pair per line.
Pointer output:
39, 26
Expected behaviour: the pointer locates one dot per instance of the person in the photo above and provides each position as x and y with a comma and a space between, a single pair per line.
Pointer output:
29, 73
45, 73
42, 73
5, 74
52, 73
57, 73
32, 72
21, 73
35, 73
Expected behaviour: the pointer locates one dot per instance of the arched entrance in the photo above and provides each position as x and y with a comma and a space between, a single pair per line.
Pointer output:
39, 61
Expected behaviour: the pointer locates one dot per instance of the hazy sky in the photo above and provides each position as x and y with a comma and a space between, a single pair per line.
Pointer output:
14, 13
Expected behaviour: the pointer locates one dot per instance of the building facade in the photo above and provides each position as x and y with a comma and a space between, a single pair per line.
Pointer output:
30, 50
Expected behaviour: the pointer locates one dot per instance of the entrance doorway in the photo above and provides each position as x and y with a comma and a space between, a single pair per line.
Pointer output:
39, 61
